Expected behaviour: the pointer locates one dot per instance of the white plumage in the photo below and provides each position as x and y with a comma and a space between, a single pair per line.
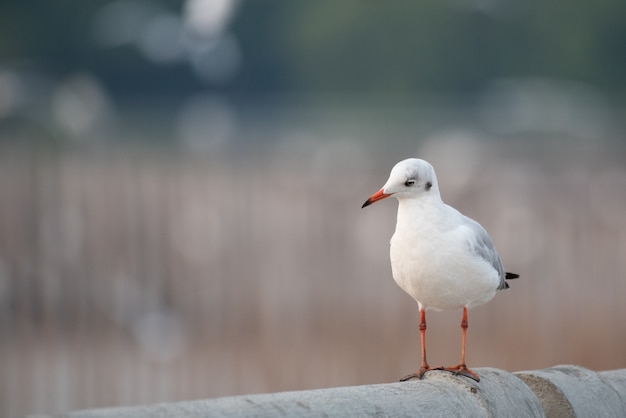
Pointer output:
440, 257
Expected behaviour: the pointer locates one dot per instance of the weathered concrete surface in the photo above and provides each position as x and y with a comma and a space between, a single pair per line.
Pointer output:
573, 391
616, 379
561, 391
439, 394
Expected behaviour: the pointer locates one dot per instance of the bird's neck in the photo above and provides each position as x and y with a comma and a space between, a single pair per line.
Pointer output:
423, 211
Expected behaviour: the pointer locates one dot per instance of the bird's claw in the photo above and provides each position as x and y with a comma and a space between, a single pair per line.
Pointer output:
462, 370
420, 373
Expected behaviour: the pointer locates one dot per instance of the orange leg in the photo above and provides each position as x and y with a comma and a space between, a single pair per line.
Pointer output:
461, 368
425, 367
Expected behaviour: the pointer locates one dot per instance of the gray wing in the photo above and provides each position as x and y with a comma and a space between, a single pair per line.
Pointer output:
487, 251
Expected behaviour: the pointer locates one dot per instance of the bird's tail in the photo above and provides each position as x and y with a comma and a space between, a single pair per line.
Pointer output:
507, 276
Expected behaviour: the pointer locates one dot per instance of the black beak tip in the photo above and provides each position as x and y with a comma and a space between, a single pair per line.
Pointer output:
367, 203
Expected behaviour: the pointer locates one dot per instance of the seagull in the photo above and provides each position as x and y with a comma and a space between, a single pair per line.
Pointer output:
440, 257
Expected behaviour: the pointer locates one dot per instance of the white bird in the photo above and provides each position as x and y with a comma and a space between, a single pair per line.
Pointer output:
440, 257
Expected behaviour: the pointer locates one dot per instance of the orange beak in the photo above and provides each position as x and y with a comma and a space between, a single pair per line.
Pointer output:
379, 195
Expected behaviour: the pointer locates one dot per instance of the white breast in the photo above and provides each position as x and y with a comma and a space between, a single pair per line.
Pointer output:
431, 260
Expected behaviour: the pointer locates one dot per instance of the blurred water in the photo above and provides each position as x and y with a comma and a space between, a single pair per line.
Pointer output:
130, 275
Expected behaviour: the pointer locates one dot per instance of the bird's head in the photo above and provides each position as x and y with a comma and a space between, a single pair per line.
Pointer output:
409, 179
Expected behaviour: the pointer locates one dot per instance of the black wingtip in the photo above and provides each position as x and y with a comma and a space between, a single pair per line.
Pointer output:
511, 276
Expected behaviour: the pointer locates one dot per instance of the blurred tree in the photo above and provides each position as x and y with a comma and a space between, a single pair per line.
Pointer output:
396, 49
453, 47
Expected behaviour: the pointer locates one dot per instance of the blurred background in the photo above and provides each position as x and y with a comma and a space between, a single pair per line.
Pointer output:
181, 182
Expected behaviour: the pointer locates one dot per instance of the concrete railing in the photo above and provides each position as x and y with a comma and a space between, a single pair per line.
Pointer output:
562, 391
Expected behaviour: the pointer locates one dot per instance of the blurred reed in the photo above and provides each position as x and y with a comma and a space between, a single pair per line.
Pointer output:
132, 276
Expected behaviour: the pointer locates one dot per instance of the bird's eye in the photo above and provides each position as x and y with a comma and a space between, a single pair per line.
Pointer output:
409, 182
